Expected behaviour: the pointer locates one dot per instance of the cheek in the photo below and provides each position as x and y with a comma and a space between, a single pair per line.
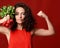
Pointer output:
16, 18
23, 16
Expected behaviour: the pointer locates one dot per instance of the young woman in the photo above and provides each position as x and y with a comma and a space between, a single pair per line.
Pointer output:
19, 36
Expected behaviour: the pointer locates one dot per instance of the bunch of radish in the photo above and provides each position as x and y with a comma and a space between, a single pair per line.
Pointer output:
7, 10
7, 23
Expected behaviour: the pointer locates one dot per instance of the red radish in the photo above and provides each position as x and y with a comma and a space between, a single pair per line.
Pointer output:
8, 21
11, 20
6, 25
3, 23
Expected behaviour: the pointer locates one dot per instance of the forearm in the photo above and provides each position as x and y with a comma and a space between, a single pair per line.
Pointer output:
44, 32
49, 24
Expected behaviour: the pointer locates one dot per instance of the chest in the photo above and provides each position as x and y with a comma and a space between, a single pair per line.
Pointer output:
19, 38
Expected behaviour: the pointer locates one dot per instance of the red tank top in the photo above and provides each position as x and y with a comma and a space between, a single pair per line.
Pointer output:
20, 39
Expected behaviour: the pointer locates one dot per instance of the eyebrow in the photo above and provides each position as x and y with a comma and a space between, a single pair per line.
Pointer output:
18, 12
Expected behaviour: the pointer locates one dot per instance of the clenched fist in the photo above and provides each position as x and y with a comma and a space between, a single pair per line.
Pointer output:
42, 14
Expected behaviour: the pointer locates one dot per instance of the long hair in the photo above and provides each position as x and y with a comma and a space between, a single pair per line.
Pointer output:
29, 21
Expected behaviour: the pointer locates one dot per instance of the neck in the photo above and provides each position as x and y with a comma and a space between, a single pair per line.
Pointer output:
19, 26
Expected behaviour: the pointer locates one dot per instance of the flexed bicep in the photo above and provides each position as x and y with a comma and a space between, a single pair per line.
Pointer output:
44, 32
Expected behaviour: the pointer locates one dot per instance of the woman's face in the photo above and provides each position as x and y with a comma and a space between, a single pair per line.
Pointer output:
19, 15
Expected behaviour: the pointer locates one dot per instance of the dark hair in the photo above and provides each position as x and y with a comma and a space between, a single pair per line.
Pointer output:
29, 21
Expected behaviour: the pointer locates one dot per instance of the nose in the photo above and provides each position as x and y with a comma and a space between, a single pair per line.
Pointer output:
20, 16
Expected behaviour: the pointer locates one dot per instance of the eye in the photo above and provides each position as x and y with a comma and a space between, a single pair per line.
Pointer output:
23, 13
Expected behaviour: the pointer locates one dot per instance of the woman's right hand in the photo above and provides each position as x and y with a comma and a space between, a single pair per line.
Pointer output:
4, 19
7, 22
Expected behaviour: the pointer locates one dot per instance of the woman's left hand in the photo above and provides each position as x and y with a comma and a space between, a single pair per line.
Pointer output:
42, 14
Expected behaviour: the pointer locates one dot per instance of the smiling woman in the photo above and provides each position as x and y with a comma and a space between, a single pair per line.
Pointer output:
19, 36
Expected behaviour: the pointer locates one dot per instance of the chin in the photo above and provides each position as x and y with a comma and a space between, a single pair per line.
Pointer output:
19, 22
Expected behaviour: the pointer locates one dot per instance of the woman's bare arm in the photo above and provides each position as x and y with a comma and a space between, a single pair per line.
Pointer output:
4, 30
44, 32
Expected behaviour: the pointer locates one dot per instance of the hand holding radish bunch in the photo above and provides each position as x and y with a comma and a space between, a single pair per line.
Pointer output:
6, 15
6, 21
